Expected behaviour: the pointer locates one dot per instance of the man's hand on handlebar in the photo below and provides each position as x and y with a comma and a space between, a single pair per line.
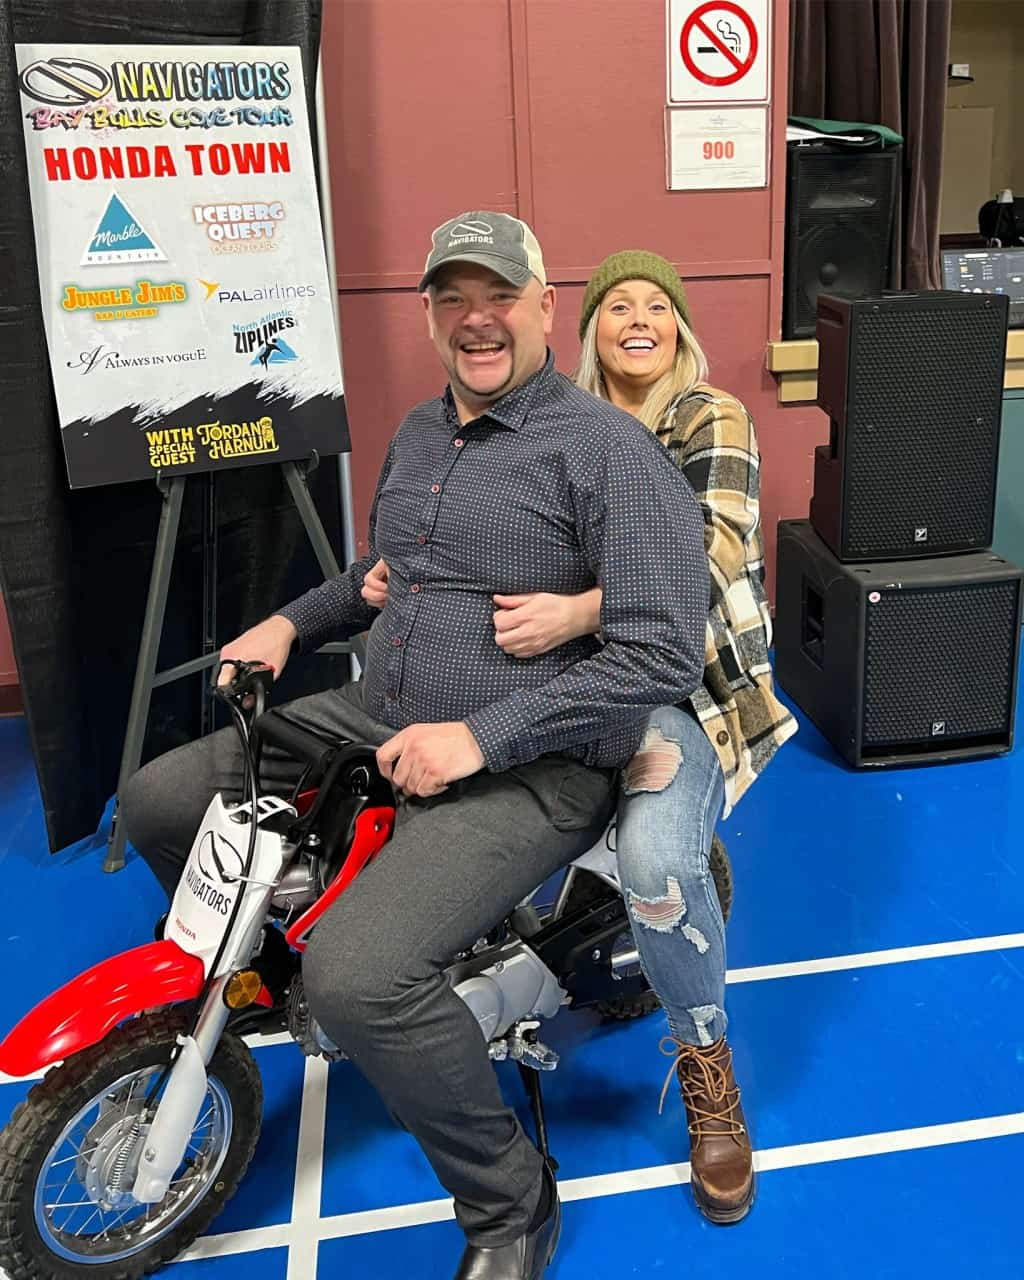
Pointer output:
269, 641
424, 758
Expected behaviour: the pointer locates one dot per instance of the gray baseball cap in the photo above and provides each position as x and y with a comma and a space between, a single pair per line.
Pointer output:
494, 240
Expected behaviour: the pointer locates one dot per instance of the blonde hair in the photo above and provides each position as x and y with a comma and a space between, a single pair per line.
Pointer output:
689, 368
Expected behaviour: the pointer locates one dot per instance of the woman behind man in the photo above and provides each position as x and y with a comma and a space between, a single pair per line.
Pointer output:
698, 759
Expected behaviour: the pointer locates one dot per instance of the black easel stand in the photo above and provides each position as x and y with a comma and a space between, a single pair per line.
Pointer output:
147, 678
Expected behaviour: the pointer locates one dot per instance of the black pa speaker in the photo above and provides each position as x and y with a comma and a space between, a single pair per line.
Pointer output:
898, 663
913, 384
840, 206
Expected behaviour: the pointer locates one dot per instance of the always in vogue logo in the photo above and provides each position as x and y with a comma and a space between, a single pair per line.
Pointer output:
104, 359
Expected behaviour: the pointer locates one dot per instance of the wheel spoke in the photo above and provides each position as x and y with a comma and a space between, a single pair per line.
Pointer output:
84, 1155
86, 1222
70, 1197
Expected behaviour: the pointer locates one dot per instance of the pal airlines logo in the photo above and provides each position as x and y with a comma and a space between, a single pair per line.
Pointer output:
119, 237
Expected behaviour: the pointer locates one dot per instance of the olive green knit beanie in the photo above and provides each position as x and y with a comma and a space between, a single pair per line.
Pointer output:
632, 264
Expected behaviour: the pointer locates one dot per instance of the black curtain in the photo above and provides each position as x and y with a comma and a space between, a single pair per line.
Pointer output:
74, 566
883, 62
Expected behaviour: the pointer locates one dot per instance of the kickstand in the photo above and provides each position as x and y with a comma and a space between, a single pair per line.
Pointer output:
531, 1079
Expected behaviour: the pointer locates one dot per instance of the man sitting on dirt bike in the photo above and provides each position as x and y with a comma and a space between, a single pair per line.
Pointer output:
513, 480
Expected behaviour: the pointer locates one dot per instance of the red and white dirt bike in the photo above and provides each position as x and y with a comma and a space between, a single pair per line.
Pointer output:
129, 1148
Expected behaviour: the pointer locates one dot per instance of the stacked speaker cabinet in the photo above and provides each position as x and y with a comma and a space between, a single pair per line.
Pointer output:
897, 628
840, 210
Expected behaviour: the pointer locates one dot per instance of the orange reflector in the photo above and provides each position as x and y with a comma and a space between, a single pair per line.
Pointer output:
242, 988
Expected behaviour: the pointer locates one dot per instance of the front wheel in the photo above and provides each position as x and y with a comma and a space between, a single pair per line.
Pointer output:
70, 1153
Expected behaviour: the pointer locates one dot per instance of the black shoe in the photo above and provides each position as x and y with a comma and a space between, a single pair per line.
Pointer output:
524, 1259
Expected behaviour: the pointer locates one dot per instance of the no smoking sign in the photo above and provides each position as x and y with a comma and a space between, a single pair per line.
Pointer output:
718, 51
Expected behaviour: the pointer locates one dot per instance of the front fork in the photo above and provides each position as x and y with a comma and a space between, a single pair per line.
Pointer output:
178, 1108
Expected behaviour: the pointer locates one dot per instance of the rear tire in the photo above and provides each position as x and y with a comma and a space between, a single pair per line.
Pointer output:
629, 1008
32, 1141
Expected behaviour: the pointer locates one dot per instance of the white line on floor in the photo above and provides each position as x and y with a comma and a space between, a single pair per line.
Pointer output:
767, 972
866, 959
309, 1173
629, 1180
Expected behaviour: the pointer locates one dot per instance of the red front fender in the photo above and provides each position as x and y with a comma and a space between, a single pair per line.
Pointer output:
86, 1008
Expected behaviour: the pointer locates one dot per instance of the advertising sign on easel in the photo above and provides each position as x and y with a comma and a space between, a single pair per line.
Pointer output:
189, 316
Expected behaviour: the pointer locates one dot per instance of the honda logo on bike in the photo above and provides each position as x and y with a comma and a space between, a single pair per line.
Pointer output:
66, 82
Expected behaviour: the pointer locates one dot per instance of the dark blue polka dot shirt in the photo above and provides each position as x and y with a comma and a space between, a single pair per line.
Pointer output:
550, 490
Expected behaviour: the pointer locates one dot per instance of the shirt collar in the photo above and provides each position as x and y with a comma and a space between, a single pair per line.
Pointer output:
511, 410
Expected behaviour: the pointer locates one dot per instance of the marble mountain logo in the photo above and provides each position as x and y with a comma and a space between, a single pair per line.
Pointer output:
119, 237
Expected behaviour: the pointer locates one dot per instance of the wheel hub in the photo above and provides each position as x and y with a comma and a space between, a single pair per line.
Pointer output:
115, 1144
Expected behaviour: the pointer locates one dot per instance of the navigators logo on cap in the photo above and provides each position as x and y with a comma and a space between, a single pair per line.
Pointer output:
493, 240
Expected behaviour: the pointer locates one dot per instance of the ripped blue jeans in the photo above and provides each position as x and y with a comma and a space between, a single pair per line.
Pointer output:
672, 796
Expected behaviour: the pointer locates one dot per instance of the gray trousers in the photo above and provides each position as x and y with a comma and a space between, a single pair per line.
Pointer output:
374, 968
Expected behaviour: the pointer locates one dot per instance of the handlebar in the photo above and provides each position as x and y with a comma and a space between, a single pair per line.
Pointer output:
250, 678
302, 744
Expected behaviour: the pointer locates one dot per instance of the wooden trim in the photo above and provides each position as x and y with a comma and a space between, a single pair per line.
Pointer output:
795, 365
522, 141
10, 700
777, 158
397, 281
793, 357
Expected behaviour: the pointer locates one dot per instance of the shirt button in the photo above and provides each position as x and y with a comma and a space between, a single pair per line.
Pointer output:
459, 442
421, 539
435, 488
415, 588
722, 738
392, 693
396, 640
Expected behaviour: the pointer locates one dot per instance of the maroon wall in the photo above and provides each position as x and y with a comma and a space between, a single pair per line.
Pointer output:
553, 111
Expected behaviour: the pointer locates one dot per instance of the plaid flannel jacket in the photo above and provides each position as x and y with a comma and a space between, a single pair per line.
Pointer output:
711, 437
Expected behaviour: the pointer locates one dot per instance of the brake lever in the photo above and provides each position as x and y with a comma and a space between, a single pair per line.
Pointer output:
250, 678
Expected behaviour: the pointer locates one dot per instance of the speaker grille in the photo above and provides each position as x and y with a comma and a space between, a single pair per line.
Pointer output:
839, 214
922, 444
939, 663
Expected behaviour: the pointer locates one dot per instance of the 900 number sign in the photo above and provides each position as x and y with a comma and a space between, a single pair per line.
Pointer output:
719, 150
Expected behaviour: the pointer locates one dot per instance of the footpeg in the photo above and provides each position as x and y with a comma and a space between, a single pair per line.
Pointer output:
521, 1045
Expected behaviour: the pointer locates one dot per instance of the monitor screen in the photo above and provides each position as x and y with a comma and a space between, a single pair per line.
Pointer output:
985, 271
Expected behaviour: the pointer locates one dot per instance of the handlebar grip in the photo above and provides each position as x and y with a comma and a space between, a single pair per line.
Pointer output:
302, 744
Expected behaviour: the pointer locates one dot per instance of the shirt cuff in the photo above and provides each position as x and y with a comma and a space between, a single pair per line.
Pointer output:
314, 617
502, 734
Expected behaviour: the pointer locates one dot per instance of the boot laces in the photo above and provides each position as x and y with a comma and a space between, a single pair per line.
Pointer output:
703, 1076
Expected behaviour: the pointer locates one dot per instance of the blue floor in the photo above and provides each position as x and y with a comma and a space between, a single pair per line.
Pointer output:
829, 863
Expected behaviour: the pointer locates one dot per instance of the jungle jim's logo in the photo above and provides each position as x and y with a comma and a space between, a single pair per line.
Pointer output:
124, 302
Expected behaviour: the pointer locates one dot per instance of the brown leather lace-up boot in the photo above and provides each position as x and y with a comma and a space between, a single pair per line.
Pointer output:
721, 1160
